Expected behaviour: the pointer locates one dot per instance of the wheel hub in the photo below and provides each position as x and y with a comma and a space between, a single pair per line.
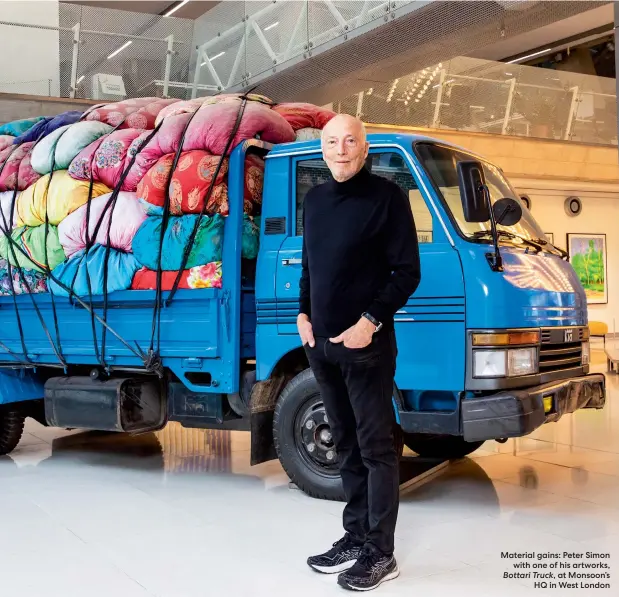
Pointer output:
316, 437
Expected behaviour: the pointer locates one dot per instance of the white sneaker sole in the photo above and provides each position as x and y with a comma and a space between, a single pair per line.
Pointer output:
334, 569
394, 574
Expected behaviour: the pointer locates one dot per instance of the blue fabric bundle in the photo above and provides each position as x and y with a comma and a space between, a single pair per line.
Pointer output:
120, 272
18, 127
207, 245
251, 231
48, 125
251, 237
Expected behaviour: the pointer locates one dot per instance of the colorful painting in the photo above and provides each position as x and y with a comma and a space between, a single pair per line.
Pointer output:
588, 258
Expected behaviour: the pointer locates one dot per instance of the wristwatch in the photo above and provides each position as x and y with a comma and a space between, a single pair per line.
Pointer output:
374, 321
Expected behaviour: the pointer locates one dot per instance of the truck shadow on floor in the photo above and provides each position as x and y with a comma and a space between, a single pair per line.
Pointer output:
203, 456
208, 453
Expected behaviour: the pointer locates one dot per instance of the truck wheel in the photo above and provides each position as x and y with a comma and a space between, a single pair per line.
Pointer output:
11, 429
303, 441
440, 446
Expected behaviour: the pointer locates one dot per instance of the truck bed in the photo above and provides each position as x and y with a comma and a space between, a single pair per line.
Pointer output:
196, 341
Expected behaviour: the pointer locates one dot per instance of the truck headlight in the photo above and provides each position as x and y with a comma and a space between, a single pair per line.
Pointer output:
522, 361
586, 353
505, 363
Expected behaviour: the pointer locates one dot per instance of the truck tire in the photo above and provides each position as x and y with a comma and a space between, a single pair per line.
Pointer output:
440, 446
11, 429
302, 439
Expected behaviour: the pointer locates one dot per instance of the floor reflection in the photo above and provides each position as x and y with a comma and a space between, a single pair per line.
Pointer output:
106, 503
196, 450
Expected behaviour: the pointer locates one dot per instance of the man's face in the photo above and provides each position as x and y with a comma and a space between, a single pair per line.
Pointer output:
344, 148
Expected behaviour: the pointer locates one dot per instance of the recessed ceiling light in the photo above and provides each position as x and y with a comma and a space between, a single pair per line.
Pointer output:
214, 57
115, 52
175, 8
529, 56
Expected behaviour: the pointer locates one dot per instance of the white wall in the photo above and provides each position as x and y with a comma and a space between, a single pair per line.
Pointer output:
600, 215
29, 58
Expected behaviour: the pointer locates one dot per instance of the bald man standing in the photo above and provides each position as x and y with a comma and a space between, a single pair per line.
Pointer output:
360, 265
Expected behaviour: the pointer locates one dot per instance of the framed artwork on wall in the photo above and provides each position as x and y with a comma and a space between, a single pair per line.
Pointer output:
588, 258
551, 237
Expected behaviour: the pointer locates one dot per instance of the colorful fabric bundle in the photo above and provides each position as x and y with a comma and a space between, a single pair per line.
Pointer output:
207, 245
32, 242
190, 106
302, 116
16, 167
106, 159
60, 197
23, 281
64, 144
127, 217
18, 127
209, 131
139, 113
86, 270
6, 217
201, 276
47, 126
192, 179
63, 170
308, 134
6, 141
251, 237
213, 124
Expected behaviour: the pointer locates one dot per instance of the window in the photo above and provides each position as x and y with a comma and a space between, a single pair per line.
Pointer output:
310, 173
390, 165
441, 164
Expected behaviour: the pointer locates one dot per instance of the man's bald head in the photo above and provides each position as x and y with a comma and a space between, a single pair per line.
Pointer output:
344, 122
344, 146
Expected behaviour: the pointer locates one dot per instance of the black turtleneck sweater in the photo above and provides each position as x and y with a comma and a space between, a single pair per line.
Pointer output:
360, 253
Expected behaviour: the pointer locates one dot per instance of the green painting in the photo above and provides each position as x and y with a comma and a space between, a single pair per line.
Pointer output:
588, 258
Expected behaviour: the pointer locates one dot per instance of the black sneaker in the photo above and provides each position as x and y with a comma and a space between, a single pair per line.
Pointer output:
340, 557
371, 569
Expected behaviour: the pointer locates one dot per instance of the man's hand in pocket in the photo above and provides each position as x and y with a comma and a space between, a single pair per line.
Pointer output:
305, 330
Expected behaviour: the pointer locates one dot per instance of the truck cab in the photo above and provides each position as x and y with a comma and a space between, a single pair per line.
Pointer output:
486, 350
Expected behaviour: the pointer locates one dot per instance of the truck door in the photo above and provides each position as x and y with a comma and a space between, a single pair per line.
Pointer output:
306, 172
430, 328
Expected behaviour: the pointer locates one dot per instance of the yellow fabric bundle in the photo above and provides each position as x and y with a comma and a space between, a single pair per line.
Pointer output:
64, 196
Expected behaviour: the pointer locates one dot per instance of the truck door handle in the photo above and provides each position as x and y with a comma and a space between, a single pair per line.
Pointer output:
291, 261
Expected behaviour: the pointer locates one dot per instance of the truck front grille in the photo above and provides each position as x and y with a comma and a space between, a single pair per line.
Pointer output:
561, 349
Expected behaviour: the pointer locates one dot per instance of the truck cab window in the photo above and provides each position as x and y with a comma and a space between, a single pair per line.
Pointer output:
390, 165
309, 174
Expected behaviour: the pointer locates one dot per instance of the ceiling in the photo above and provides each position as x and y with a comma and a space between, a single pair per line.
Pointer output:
191, 10
538, 38
436, 32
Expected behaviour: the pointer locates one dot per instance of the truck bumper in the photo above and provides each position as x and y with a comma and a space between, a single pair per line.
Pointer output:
515, 413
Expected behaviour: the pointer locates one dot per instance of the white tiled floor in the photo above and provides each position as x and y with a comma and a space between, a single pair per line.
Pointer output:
181, 513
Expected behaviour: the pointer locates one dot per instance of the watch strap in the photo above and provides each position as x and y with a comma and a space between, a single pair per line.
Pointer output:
372, 320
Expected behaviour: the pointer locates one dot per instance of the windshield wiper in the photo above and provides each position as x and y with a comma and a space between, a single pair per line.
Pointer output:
532, 243
564, 254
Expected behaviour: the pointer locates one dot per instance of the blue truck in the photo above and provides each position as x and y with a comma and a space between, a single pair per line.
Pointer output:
493, 344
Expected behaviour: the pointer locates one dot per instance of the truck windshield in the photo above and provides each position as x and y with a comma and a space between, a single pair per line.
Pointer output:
441, 162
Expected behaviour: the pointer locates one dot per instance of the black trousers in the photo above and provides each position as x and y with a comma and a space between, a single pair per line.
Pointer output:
356, 386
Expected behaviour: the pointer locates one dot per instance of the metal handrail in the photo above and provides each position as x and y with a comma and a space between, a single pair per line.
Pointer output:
90, 31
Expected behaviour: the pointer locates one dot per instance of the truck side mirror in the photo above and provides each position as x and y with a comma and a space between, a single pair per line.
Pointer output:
471, 181
507, 211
